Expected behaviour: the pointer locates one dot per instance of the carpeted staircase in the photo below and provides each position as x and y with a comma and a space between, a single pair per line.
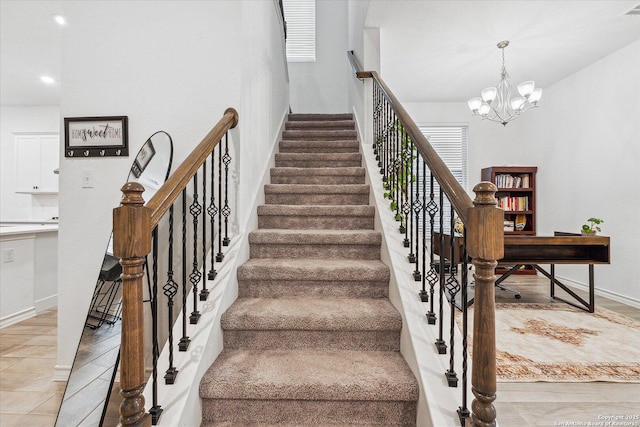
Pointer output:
312, 338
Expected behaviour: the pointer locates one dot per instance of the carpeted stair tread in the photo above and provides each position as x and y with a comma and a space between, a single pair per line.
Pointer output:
316, 194
316, 269
319, 117
341, 146
309, 374
320, 124
313, 278
315, 237
316, 217
322, 134
305, 412
317, 188
318, 160
318, 244
323, 175
324, 172
322, 210
361, 314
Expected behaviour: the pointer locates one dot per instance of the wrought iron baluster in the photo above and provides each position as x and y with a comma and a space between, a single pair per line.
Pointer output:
170, 289
156, 410
424, 295
385, 150
396, 165
220, 254
381, 125
440, 344
195, 209
417, 205
183, 345
463, 411
374, 105
432, 276
226, 210
212, 210
453, 287
204, 292
407, 172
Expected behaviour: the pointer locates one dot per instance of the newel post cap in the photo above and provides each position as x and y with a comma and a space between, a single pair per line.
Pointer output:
485, 231
131, 224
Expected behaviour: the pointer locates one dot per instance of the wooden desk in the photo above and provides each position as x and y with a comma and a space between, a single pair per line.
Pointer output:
562, 248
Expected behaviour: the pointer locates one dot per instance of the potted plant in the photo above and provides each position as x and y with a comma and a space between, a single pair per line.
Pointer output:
592, 227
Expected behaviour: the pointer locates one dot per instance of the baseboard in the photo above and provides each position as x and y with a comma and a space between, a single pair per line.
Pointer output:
46, 303
61, 373
602, 292
17, 317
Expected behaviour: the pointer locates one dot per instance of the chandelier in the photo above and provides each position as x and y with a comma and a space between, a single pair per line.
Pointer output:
496, 104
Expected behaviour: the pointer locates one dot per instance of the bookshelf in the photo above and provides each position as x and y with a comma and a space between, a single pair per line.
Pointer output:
516, 195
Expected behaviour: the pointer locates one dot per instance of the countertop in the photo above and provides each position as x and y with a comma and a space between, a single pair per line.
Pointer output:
7, 229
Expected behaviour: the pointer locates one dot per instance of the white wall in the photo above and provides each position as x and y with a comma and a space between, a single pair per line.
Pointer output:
321, 86
584, 139
172, 66
36, 119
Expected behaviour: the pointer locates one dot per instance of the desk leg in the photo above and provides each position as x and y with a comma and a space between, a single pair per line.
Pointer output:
552, 287
586, 306
592, 303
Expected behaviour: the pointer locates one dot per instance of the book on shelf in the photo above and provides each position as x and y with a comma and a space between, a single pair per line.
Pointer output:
512, 181
513, 203
509, 225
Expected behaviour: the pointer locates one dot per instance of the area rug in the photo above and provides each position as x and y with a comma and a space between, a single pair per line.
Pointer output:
558, 343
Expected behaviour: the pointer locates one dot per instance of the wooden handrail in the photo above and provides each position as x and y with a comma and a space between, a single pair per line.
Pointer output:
357, 68
133, 223
449, 184
169, 192
485, 244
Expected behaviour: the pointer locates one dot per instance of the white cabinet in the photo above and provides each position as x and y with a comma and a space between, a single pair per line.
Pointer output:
37, 156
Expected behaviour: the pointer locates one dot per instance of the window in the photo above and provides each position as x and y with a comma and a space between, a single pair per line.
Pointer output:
450, 142
300, 16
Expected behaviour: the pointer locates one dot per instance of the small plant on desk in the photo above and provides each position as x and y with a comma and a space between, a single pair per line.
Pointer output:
592, 227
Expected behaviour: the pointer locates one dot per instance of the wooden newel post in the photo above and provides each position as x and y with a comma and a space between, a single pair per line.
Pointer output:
131, 243
485, 244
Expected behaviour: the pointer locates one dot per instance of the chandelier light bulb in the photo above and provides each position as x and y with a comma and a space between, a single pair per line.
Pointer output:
489, 94
526, 88
496, 104
535, 96
517, 103
474, 104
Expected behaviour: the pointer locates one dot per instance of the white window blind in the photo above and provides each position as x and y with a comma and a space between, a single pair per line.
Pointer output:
450, 142
300, 16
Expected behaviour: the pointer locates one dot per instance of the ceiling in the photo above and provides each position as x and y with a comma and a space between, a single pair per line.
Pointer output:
430, 50
29, 48
446, 50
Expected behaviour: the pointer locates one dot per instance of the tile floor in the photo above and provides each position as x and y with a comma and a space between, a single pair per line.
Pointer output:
28, 395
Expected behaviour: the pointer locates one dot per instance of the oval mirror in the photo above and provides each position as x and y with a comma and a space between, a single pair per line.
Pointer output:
86, 396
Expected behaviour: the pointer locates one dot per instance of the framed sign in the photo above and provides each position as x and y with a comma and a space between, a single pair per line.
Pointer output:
143, 158
96, 136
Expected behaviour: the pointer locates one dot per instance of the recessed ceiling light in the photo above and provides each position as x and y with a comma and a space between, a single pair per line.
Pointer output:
60, 20
47, 80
